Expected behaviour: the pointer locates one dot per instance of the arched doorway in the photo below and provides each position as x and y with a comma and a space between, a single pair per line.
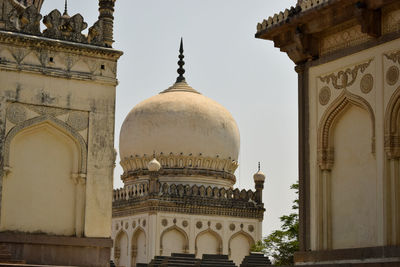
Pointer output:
208, 242
173, 240
239, 247
121, 250
139, 247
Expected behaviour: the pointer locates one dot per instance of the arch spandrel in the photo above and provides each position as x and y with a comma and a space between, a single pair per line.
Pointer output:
332, 113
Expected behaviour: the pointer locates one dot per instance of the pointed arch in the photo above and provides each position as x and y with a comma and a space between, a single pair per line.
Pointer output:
119, 256
136, 248
62, 126
181, 231
325, 138
213, 233
239, 252
392, 126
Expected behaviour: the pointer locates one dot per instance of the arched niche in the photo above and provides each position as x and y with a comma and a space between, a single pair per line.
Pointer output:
42, 159
173, 240
121, 249
347, 175
139, 247
392, 170
239, 246
208, 242
328, 120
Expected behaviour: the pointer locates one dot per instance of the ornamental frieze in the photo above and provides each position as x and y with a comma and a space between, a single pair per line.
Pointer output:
345, 78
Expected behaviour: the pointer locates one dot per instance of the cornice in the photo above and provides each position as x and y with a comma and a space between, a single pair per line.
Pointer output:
39, 42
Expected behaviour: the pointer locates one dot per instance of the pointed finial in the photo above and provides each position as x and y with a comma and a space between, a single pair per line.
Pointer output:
259, 166
181, 63
66, 7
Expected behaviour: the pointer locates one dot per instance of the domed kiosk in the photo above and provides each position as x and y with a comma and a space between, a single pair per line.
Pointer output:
179, 151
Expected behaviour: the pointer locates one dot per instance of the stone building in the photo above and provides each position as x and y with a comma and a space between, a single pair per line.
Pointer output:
179, 151
347, 54
57, 97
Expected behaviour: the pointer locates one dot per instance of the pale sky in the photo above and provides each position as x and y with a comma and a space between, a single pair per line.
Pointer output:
252, 79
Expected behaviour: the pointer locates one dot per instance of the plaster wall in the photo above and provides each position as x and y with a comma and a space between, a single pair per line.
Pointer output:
348, 98
195, 234
76, 92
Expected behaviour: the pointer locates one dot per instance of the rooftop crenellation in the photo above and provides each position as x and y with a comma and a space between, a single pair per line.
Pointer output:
23, 16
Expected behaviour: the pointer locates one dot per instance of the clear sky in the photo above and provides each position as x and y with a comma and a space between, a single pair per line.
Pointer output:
252, 79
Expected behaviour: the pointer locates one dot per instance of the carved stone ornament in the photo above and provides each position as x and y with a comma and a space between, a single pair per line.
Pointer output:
250, 228
185, 223
134, 224
218, 226
164, 222
16, 113
395, 56
232, 227
324, 95
367, 83
392, 75
345, 78
199, 225
144, 223
78, 120
126, 226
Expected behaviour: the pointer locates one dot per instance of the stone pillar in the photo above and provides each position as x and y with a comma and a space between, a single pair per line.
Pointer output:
80, 195
106, 9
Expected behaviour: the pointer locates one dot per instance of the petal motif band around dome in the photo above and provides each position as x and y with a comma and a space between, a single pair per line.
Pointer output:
197, 139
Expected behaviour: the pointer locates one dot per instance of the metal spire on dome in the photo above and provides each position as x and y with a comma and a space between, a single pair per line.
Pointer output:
181, 63
259, 166
66, 8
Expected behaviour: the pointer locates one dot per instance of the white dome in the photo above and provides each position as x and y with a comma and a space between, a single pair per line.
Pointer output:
182, 122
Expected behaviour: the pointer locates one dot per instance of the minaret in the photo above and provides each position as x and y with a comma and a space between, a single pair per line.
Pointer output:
259, 179
106, 9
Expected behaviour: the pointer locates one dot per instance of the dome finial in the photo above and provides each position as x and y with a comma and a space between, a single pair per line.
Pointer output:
66, 8
259, 166
181, 63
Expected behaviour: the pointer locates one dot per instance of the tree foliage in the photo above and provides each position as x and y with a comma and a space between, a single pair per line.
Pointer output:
281, 244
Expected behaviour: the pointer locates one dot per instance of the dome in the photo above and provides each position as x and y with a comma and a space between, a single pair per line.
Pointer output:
194, 138
181, 125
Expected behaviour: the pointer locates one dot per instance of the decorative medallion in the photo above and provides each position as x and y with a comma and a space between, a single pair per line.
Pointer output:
16, 113
134, 224
185, 223
392, 75
199, 224
218, 226
251, 228
232, 227
324, 95
367, 83
164, 222
144, 223
78, 120
126, 225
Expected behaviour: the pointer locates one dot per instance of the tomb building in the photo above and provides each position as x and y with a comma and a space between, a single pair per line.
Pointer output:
347, 58
57, 102
179, 151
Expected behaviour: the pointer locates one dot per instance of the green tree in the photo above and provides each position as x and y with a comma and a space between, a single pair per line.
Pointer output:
281, 244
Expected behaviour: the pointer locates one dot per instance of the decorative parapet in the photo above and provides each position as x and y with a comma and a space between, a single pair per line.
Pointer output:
180, 198
24, 17
184, 191
180, 165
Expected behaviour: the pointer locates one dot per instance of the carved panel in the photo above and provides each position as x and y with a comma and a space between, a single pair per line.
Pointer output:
16, 113
392, 75
324, 95
367, 83
345, 78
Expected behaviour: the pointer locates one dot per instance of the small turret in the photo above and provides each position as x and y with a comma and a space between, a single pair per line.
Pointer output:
106, 16
153, 166
259, 179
